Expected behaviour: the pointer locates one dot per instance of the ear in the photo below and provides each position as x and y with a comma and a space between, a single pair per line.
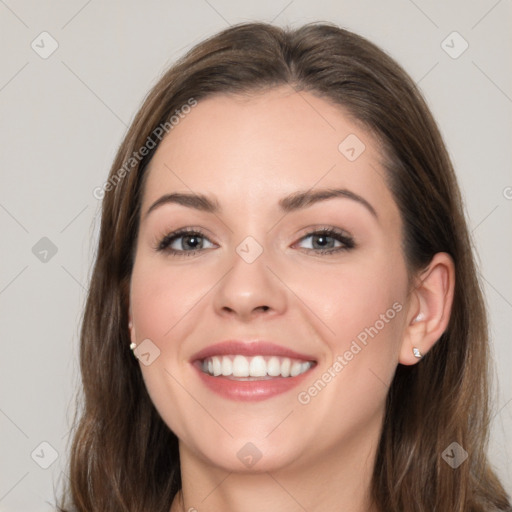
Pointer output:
429, 309
131, 326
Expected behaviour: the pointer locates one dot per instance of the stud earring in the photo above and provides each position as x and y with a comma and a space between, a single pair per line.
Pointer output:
417, 353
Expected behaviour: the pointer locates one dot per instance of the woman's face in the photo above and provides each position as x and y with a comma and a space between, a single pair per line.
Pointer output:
259, 269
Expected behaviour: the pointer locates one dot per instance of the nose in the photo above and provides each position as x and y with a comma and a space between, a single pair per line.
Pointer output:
249, 290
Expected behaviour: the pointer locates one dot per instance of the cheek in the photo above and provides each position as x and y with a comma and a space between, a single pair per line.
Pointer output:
351, 298
162, 301
365, 309
363, 305
162, 296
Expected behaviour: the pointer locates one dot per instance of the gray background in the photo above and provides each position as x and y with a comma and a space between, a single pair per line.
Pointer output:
63, 117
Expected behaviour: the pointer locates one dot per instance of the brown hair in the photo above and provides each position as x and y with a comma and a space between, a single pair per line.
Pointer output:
123, 456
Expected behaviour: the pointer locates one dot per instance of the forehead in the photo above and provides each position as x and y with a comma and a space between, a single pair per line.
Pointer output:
256, 149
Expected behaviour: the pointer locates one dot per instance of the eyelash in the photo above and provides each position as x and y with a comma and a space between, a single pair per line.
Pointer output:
166, 241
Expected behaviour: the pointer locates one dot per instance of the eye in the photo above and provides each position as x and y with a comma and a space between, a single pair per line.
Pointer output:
190, 241
328, 240
184, 242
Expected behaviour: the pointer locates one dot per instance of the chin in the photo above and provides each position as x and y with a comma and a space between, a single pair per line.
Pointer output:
252, 457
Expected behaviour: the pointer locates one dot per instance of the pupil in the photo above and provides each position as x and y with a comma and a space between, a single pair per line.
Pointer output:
192, 237
320, 238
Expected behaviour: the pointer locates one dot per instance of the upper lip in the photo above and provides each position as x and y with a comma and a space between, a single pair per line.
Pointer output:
250, 348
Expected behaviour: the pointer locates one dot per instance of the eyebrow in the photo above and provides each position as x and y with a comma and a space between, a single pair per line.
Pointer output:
292, 202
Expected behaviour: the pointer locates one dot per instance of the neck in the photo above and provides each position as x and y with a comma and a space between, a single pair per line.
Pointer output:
338, 480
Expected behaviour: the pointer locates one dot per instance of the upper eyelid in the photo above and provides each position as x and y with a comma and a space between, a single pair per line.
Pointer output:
171, 237
307, 232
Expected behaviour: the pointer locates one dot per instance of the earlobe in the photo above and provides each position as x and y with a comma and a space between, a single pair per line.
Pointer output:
131, 328
430, 309
133, 336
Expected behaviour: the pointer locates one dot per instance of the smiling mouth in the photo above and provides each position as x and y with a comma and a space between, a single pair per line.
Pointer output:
258, 367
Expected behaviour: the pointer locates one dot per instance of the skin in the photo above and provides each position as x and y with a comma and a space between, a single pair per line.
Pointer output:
248, 153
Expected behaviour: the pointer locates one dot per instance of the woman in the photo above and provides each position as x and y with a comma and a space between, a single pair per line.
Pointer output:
283, 248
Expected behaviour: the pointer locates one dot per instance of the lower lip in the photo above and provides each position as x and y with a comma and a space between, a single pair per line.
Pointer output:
253, 390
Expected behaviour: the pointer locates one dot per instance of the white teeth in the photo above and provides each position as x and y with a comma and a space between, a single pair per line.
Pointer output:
257, 366
217, 366
227, 366
274, 367
295, 370
240, 367
285, 367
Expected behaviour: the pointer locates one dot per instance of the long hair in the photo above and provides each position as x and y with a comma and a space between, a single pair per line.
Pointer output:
123, 456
